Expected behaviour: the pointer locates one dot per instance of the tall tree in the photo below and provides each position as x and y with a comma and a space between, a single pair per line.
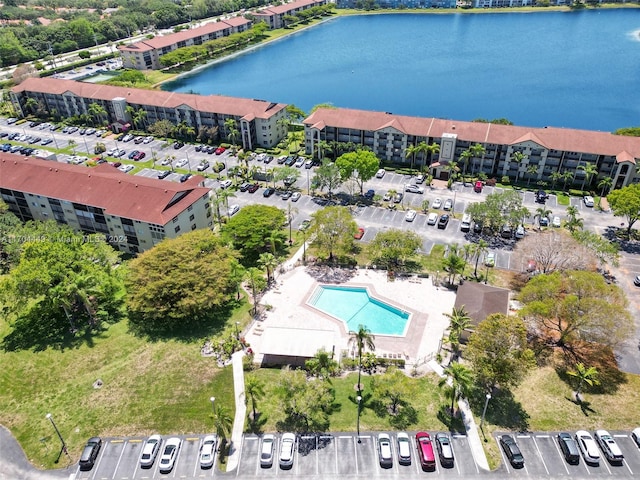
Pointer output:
625, 202
459, 321
334, 229
604, 185
222, 422
322, 365
254, 391
361, 166
480, 251
392, 387
257, 283
328, 176
362, 339
457, 382
498, 352
395, 249
478, 151
573, 222
269, 262
589, 170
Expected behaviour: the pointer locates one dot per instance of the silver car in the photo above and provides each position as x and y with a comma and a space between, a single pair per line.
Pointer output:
404, 449
150, 451
266, 452
169, 455
287, 448
208, 451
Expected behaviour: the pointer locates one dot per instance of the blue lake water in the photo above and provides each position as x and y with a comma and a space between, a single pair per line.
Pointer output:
355, 307
566, 69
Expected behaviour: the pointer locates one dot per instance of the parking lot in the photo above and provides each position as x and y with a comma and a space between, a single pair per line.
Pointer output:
543, 458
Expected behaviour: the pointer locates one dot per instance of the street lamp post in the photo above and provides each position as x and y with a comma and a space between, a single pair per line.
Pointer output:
486, 273
237, 331
213, 405
304, 247
359, 399
64, 445
484, 410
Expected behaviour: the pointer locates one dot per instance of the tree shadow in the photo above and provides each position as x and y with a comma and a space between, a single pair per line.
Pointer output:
256, 424
454, 423
585, 406
610, 377
502, 410
328, 274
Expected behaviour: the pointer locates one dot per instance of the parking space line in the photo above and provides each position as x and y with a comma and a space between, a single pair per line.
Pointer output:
544, 464
355, 453
455, 455
604, 461
564, 463
627, 465
502, 455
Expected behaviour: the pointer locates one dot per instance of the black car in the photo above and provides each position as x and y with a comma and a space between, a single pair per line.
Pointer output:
268, 192
443, 221
178, 145
290, 161
185, 177
541, 196
512, 451
569, 448
90, 453
164, 174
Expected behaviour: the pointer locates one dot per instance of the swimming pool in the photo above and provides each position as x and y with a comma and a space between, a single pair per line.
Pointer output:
354, 306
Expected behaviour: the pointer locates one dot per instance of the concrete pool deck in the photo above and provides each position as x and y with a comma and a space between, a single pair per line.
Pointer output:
289, 312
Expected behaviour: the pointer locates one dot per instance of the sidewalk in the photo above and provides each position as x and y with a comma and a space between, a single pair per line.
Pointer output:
475, 443
241, 411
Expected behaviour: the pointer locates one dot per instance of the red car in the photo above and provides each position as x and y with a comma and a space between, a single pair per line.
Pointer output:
478, 187
139, 156
425, 451
253, 188
220, 150
359, 234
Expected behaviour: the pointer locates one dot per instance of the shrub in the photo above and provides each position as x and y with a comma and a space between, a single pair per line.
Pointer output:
576, 193
505, 180
84, 54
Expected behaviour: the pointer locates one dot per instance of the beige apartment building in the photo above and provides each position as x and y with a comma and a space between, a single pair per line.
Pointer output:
133, 213
274, 16
145, 54
256, 120
547, 150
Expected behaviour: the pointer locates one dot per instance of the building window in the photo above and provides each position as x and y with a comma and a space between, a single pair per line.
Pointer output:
193, 227
191, 217
177, 229
190, 208
175, 219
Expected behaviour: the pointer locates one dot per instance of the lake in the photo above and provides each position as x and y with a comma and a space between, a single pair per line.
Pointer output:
566, 69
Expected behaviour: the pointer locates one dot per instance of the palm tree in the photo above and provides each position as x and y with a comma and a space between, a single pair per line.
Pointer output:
531, 170
480, 251
459, 321
589, 171
411, 151
254, 390
140, 117
256, 281
604, 184
584, 375
541, 212
72, 144
362, 339
555, 176
566, 176
457, 380
518, 157
322, 365
31, 105
573, 223
478, 150
97, 112
232, 131
269, 262
222, 422
454, 264
465, 157
323, 147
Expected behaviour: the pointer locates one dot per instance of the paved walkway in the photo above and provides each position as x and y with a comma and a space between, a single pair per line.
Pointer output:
241, 411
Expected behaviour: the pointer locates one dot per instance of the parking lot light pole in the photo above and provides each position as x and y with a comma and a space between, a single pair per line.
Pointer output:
237, 331
213, 405
484, 410
55, 427
359, 399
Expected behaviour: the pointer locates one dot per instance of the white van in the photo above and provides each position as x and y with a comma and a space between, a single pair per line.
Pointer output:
465, 224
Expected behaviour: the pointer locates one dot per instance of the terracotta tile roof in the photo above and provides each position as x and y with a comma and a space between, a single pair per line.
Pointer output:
120, 194
204, 103
286, 7
184, 35
564, 139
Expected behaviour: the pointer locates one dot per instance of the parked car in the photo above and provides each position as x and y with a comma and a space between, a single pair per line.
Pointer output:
380, 173
609, 447
282, 159
512, 451
299, 162
543, 221
253, 188
425, 451
290, 180
506, 232
304, 225
308, 164
286, 195
541, 196
384, 450
443, 221
266, 452
520, 231
569, 448
148, 139
287, 449
90, 453
635, 435
181, 163
588, 201
46, 141
295, 197
420, 178
126, 168
465, 223
445, 450
432, 219
448, 204
490, 259
202, 166
178, 145
185, 177
397, 197
437, 203
413, 189
137, 140
477, 227
169, 455
220, 150
556, 222
244, 187
404, 448
268, 192
164, 174
410, 216
588, 448
289, 161
477, 187
233, 209
139, 156
369, 194
150, 451
208, 451
359, 234
225, 183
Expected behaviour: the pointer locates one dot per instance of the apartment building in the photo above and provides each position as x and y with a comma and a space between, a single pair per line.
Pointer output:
145, 54
133, 213
274, 16
256, 120
547, 150
401, 3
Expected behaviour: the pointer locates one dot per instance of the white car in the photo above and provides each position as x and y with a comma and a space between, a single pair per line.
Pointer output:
588, 201
520, 231
432, 219
300, 162
208, 451
182, 162
556, 222
448, 204
413, 189
287, 448
635, 435
588, 448
420, 178
150, 451
166, 162
169, 454
410, 216
295, 196
233, 209
437, 203
380, 173
490, 259
609, 447
404, 448
126, 168
147, 140
266, 452
225, 183
384, 450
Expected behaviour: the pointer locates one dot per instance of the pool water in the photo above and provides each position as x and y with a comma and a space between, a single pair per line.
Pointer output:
355, 307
